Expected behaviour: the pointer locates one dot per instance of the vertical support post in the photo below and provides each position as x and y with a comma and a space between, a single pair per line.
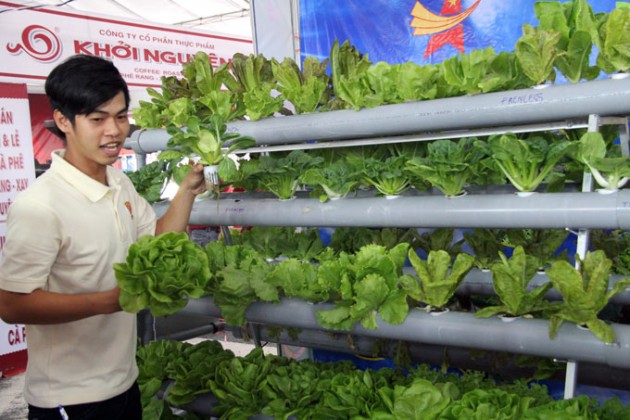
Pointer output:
570, 380
583, 239
227, 236
141, 160
146, 327
624, 138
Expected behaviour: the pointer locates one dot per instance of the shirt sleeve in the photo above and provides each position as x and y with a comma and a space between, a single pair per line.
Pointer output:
33, 240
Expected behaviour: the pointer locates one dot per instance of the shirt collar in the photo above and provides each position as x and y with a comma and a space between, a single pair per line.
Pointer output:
87, 186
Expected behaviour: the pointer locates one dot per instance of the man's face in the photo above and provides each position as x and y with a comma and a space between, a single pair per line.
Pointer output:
95, 139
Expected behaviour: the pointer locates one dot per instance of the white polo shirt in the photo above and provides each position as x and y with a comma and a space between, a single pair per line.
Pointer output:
64, 233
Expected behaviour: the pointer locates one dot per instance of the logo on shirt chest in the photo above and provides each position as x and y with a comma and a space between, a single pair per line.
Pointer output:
128, 205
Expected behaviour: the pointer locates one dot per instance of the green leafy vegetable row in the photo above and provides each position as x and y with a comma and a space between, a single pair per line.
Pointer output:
255, 87
280, 387
163, 272
525, 161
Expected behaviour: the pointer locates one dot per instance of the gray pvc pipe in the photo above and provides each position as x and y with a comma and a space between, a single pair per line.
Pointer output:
479, 282
459, 329
540, 210
554, 103
457, 357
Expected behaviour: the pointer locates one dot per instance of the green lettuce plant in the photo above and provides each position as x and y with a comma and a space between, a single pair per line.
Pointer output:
585, 292
420, 400
351, 239
280, 173
195, 368
415, 82
387, 176
613, 41
448, 166
155, 114
275, 241
382, 81
207, 91
331, 182
200, 92
437, 277
306, 89
439, 239
297, 279
576, 408
465, 72
493, 404
536, 51
149, 180
616, 245
162, 272
576, 24
156, 361
486, 245
350, 80
292, 390
503, 73
510, 279
238, 384
238, 280
368, 283
255, 84
525, 162
208, 140
541, 244
403, 82
610, 172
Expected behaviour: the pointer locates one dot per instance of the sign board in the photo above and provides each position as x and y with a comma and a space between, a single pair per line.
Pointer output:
419, 31
17, 172
35, 40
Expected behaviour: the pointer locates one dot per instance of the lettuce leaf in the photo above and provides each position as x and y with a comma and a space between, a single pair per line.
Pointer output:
437, 277
609, 172
614, 41
525, 162
511, 278
162, 272
585, 292
536, 51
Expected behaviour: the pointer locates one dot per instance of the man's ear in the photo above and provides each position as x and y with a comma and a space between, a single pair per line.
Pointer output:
62, 122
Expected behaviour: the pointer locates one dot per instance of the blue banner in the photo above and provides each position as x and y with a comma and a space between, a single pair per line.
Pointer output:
420, 31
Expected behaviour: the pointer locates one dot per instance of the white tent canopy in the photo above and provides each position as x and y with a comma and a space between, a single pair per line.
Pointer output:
218, 16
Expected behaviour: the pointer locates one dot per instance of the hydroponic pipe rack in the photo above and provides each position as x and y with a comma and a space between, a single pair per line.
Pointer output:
479, 282
463, 358
588, 210
553, 103
459, 329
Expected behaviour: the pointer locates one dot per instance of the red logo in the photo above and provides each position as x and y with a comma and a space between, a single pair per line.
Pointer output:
444, 28
128, 205
38, 42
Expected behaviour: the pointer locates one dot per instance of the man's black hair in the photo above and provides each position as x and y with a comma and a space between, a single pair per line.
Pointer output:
81, 83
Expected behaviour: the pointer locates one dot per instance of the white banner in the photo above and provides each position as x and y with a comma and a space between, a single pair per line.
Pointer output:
34, 41
276, 28
17, 171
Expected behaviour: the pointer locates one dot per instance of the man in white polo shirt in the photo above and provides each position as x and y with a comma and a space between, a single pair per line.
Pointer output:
64, 233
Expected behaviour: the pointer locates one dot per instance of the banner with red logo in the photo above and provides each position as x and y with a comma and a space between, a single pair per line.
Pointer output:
17, 172
34, 40
419, 31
